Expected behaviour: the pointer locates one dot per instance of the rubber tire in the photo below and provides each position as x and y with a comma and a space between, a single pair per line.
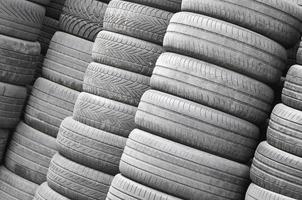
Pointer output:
116, 84
213, 86
12, 99
55, 9
136, 20
126, 52
197, 126
14, 187
4, 135
105, 114
19, 60
44, 192
76, 181
48, 105
124, 188
277, 171
169, 5
180, 170
90, 147
50, 26
83, 18
292, 92
29, 153
41, 2
21, 19
226, 45
67, 59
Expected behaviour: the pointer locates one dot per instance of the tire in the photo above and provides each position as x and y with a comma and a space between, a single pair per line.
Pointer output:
41, 2
255, 192
44, 192
292, 92
14, 187
180, 170
55, 8
169, 5
197, 126
29, 153
21, 19
213, 86
83, 18
226, 45
277, 171
136, 20
116, 84
278, 20
123, 188
126, 52
49, 104
90, 147
4, 135
12, 99
67, 59
76, 181
19, 60
50, 26
105, 114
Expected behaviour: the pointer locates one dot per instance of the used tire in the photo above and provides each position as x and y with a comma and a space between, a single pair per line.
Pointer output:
277, 171
76, 181
44, 192
90, 147
197, 126
12, 99
83, 18
4, 134
50, 26
136, 20
104, 114
55, 8
180, 170
67, 59
29, 153
213, 86
116, 84
226, 45
48, 105
41, 2
21, 19
126, 52
169, 5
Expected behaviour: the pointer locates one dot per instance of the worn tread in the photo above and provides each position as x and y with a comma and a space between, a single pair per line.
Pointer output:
169, 5
49, 27
44, 192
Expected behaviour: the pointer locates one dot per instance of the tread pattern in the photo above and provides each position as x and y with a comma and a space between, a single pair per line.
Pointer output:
49, 27
76, 181
44, 192
90, 147
4, 135
277, 171
116, 84
137, 20
13, 187
55, 9
124, 188
41, 2
104, 114
213, 86
126, 52
67, 59
197, 126
180, 170
83, 18
12, 99
21, 19
169, 5
29, 153
226, 45
48, 105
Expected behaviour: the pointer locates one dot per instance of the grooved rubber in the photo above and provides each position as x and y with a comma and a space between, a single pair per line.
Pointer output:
136, 20
44, 192
90, 147
76, 181
213, 86
123, 188
126, 52
116, 84
67, 59
169, 5
226, 45
29, 153
21, 19
83, 18
277, 171
180, 170
104, 114
48, 104
41, 2
4, 135
14, 187
55, 8
49, 27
